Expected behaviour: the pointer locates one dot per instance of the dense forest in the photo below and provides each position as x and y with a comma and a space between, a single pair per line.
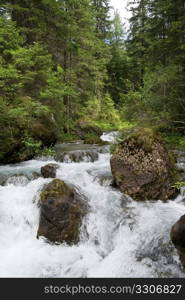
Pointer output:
66, 65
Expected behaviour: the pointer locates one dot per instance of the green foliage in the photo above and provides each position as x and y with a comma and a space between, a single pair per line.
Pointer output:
178, 185
49, 151
162, 93
9, 38
132, 105
25, 73
118, 66
92, 138
31, 145
64, 61
102, 112
67, 137
92, 109
101, 12
156, 59
109, 113
174, 140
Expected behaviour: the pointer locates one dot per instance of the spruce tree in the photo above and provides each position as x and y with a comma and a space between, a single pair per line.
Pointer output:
118, 73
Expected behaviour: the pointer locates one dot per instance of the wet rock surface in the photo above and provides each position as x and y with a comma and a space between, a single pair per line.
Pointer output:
18, 178
49, 170
62, 210
78, 152
178, 238
103, 176
3, 179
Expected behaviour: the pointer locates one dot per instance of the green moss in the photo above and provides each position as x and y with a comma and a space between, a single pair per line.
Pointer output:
178, 185
47, 151
67, 137
56, 188
174, 141
106, 126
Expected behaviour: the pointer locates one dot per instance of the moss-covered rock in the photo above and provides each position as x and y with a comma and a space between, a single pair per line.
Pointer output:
14, 151
142, 167
62, 210
24, 144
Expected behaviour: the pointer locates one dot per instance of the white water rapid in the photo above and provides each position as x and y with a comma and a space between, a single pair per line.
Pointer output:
119, 237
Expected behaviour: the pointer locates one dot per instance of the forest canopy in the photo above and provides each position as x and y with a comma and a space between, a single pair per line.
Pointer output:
67, 62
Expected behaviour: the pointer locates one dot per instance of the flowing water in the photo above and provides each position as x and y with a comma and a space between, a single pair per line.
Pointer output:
119, 237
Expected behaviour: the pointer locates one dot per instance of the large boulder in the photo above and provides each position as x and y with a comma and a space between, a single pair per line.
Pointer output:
62, 210
49, 170
142, 167
178, 238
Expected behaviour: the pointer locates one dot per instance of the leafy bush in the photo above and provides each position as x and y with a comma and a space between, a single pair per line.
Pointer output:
31, 145
178, 185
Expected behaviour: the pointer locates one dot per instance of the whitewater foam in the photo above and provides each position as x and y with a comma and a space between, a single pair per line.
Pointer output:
119, 237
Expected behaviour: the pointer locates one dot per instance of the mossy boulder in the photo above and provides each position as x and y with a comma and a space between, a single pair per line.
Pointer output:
142, 167
62, 211
14, 149
178, 238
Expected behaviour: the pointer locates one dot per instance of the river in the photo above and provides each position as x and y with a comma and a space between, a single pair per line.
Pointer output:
119, 237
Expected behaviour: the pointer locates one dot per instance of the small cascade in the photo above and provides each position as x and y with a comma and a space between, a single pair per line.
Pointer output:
119, 237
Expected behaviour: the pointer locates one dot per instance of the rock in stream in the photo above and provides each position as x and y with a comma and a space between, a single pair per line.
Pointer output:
142, 168
62, 210
78, 152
